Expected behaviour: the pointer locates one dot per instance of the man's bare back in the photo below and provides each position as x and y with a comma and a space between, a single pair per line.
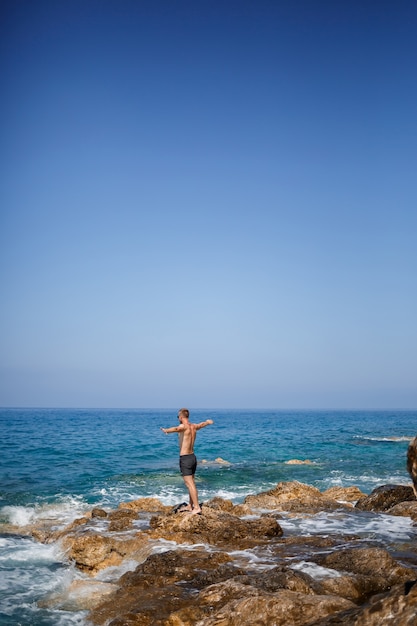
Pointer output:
186, 435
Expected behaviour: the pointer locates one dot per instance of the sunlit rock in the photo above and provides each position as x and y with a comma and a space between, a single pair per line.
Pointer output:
344, 494
92, 552
282, 493
148, 505
215, 527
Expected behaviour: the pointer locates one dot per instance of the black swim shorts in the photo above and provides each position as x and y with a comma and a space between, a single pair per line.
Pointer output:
188, 464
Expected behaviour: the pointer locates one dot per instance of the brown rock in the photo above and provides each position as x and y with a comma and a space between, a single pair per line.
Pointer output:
374, 569
98, 513
92, 552
282, 578
299, 462
151, 593
148, 505
283, 608
344, 494
281, 494
344, 586
408, 509
214, 527
397, 607
82, 595
311, 505
121, 520
220, 504
385, 497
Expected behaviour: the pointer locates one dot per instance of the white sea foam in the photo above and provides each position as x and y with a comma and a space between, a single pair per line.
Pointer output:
18, 515
248, 558
30, 571
315, 571
367, 525
111, 574
61, 512
336, 478
18, 550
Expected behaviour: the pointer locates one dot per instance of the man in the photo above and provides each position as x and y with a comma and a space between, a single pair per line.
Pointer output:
188, 463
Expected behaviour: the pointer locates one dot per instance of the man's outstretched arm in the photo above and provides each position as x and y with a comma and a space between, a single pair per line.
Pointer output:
204, 424
173, 429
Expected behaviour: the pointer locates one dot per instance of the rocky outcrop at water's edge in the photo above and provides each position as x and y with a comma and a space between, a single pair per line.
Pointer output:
235, 565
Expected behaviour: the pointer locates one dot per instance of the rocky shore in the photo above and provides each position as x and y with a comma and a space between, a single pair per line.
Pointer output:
235, 564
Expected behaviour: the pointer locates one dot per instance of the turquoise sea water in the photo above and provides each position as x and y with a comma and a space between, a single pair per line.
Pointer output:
57, 463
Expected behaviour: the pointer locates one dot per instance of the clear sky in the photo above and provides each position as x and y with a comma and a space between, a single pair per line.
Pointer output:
208, 203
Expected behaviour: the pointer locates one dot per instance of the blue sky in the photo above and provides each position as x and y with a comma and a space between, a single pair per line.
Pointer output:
209, 204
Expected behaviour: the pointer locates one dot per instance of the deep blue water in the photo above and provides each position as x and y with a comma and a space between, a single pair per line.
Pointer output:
60, 462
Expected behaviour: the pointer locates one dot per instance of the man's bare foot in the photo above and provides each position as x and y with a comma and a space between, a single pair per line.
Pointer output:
195, 512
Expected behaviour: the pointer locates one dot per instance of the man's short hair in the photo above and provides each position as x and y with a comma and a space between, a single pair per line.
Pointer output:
184, 412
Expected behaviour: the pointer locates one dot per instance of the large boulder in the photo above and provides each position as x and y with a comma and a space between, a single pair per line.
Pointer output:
281, 494
374, 570
383, 498
407, 509
397, 607
251, 606
163, 584
148, 505
295, 497
216, 528
92, 552
344, 494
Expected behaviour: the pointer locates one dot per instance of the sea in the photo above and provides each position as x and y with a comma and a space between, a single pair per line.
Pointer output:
56, 464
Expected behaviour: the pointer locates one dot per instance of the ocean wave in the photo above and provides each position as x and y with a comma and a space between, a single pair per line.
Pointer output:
391, 439
65, 510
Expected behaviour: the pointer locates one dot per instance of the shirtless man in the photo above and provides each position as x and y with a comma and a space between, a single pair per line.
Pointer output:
188, 463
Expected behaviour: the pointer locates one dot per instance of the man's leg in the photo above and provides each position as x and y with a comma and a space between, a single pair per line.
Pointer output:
192, 490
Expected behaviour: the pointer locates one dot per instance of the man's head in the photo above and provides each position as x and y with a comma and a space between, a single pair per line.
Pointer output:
183, 413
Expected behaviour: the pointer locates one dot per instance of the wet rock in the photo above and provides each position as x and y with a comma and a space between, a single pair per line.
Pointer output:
344, 494
344, 586
397, 607
98, 512
374, 569
215, 527
121, 520
281, 577
46, 533
385, 497
81, 595
253, 606
163, 584
311, 505
408, 509
92, 552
